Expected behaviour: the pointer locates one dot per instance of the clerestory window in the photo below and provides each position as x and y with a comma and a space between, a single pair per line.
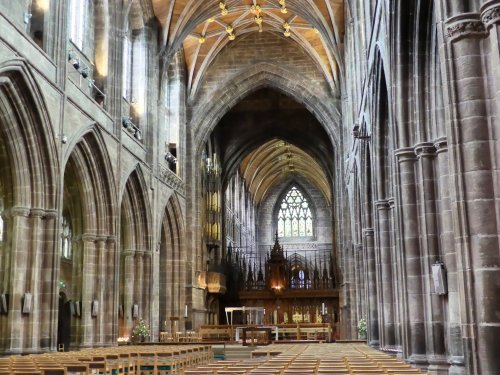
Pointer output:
78, 18
66, 237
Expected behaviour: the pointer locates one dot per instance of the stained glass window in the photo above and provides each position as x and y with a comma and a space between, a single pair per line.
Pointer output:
295, 217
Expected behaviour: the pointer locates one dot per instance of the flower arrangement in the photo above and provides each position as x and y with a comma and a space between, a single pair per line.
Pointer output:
140, 331
362, 328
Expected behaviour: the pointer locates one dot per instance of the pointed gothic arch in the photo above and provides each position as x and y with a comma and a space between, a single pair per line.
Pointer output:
89, 206
172, 257
136, 252
28, 166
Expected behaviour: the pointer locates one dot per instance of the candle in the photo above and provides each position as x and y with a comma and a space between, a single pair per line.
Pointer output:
323, 308
186, 311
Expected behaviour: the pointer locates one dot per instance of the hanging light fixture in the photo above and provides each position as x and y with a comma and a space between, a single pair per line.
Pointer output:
287, 27
223, 9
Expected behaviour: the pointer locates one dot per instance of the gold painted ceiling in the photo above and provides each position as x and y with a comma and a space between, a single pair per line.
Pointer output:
204, 27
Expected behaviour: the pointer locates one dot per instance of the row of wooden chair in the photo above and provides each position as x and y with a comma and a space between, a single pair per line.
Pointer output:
340, 359
130, 360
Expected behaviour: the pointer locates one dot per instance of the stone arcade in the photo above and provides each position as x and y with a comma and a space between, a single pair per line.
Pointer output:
143, 141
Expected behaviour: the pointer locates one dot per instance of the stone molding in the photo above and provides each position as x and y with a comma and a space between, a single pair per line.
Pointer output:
172, 180
467, 25
490, 13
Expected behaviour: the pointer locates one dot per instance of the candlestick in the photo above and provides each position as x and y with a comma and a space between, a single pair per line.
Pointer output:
323, 308
186, 311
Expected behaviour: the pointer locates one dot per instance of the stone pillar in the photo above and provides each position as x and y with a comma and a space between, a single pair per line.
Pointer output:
16, 323
371, 282
101, 286
88, 290
128, 290
474, 159
447, 242
385, 284
147, 282
33, 280
49, 299
112, 291
139, 283
415, 345
396, 272
433, 303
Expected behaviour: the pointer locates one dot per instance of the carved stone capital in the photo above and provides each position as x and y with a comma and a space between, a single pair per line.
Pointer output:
51, 214
37, 212
111, 239
87, 237
368, 232
19, 211
128, 253
490, 13
383, 204
405, 154
441, 145
425, 149
467, 25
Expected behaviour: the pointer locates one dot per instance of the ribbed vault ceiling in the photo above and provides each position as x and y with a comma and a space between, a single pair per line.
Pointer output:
205, 27
276, 161
270, 139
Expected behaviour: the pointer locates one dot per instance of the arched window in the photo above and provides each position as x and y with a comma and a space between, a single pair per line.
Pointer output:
294, 216
134, 70
66, 238
79, 10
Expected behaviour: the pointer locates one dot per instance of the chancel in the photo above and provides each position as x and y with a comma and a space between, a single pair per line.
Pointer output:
250, 186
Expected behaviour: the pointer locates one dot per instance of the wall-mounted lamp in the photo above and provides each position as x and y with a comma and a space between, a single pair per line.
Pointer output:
27, 17
85, 72
127, 122
138, 135
170, 158
357, 133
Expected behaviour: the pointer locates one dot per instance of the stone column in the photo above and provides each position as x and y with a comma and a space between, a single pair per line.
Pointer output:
111, 292
49, 298
128, 290
447, 242
88, 289
385, 284
474, 158
101, 286
148, 281
16, 324
414, 346
139, 283
396, 273
371, 281
33, 278
433, 303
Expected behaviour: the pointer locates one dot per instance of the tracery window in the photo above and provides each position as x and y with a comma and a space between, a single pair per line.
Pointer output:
295, 216
66, 238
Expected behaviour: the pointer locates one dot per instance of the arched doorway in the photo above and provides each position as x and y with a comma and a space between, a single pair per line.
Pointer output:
64, 323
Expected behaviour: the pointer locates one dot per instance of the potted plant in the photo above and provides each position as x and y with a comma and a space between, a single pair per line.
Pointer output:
362, 329
140, 333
